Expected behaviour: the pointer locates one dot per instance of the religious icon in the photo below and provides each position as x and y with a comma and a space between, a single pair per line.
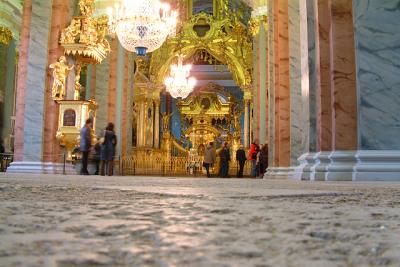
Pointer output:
69, 117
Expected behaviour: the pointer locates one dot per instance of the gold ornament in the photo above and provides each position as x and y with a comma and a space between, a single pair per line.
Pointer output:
226, 39
5, 35
85, 37
60, 73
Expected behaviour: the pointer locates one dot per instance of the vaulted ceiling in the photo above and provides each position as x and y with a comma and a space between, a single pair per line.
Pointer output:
11, 15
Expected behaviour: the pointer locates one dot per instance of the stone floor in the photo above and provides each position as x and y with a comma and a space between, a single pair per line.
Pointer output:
140, 221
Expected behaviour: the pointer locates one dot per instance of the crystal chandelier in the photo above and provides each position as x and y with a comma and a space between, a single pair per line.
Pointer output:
142, 25
179, 85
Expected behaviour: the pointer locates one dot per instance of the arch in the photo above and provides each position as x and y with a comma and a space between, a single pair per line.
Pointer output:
227, 40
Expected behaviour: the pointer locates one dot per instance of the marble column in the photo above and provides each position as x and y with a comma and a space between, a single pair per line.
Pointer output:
59, 20
314, 71
281, 85
378, 81
101, 94
344, 77
299, 80
9, 91
324, 42
112, 82
3, 73
271, 84
118, 108
30, 137
378, 73
263, 83
22, 81
256, 83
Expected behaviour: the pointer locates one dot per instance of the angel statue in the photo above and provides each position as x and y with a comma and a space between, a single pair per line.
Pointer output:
60, 73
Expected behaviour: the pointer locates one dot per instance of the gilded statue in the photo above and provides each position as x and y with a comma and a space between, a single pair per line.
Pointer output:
236, 126
60, 73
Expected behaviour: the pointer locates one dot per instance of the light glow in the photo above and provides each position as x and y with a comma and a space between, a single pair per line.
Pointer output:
179, 84
143, 24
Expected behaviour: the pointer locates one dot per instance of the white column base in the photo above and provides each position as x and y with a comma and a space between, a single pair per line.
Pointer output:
362, 165
41, 167
279, 173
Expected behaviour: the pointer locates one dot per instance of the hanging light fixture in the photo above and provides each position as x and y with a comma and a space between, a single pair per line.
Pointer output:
179, 84
142, 25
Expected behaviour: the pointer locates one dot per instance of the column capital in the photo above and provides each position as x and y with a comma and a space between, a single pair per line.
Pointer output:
5, 35
247, 95
258, 19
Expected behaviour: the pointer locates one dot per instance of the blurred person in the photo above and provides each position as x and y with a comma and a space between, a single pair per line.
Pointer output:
241, 159
209, 158
263, 160
253, 153
2, 151
107, 152
85, 144
225, 157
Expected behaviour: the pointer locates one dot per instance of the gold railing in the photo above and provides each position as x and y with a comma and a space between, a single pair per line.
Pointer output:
158, 163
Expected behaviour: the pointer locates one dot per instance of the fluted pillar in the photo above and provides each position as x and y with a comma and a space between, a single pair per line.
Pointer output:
140, 129
157, 124
246, 122
145, 122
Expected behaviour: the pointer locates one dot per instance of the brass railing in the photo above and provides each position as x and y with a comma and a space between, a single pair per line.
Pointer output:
157, 163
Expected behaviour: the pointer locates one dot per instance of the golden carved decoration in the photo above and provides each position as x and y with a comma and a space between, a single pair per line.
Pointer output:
72, 117
86, 7
226, 39
84, 41
85, 37
60, 73
255, 23
5, 35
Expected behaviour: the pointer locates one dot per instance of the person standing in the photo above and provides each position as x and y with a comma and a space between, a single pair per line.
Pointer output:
225, 157
241, 159
254, 149
209, 158
85, 144
263, 159
108, 150
2, 150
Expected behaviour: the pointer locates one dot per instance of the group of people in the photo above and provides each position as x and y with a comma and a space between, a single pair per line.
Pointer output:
103, 150
2, 151
258, 156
